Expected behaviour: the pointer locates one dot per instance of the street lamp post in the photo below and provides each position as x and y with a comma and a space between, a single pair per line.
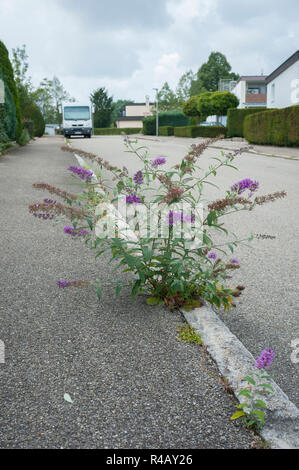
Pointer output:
157, 112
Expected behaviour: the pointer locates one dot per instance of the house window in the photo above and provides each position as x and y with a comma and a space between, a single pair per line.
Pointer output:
253, 91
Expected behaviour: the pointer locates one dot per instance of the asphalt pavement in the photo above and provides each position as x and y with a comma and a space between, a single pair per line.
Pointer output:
267, 312
131, 382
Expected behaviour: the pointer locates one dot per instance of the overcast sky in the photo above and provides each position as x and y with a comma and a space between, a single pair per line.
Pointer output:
131, 46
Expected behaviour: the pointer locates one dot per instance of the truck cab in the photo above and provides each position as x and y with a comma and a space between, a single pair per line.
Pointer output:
77, 119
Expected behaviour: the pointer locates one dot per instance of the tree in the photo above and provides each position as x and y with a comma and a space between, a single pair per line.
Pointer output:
118, 108
103, 108
49, 96
190, 107
8, 73
216, 103
168, 100
184, 86
222, 101
20, 66
211, 72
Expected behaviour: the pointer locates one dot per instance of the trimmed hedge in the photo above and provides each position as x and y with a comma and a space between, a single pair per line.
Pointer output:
275, 127
166, 130
200, 131
8, 120
116, 130
167, 118
235, 120
8, 73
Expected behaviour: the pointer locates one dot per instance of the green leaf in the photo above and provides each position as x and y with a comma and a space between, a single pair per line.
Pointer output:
245, 393
260, 404
135, 288
260, 415
266, 386
230, 247
250, 380
89, 221
99, 292
153, 301
238, 414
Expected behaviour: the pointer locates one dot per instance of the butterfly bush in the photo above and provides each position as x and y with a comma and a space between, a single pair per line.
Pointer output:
251, 412
162, 231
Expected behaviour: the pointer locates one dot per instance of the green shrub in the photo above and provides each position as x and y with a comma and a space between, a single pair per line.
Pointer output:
235, 120
116, 130
167, 118
29, 125
8, 120
32, 112
8, 73
194, 121
274, 127
24, 137
200, 131
166, 130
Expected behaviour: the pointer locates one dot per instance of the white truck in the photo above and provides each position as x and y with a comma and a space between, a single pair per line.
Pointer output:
77, 119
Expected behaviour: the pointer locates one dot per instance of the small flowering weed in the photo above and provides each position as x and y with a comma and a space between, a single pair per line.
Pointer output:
154, 223
251, 412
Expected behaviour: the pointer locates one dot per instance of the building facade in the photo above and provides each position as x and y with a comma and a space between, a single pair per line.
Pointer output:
134, 114
283, 84
251, 91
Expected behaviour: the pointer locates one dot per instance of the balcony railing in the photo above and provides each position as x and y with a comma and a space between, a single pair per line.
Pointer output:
256, 98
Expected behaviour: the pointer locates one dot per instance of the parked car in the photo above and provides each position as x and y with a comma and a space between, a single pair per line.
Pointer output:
211, 123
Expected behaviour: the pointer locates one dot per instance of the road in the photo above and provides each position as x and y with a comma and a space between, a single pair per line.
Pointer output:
267, 313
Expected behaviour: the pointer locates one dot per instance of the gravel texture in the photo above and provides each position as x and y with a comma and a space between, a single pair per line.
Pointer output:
133, 385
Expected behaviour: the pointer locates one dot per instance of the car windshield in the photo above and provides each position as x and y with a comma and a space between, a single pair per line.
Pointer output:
76, 113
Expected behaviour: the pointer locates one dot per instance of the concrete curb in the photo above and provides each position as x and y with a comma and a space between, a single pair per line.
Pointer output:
255, 152
234, 362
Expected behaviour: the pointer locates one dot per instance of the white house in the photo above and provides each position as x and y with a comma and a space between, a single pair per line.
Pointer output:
283, 84
251, 91
134, 114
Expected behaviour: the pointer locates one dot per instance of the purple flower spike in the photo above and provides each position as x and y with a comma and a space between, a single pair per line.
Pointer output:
62, 284
244, 184
138, 177
265, 359
212, 255
158, 161
133, 199
234, 260
76, 233
82, 173
179, 217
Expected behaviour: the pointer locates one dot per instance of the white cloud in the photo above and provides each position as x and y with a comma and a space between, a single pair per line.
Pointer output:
168, 69
131, 47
